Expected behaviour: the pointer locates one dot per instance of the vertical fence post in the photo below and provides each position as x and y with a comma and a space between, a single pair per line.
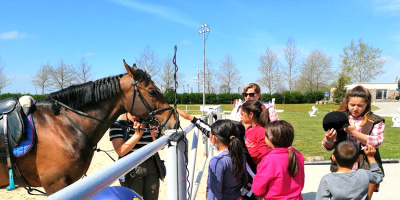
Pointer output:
176, 175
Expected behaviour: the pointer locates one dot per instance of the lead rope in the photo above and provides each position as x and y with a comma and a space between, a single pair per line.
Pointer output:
176, 114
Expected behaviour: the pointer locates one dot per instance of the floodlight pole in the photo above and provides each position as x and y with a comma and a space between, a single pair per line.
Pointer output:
204, 29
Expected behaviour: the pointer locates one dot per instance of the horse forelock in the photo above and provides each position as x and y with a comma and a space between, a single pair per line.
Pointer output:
77, 96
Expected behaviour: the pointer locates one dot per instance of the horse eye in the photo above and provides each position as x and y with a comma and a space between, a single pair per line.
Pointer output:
151, 92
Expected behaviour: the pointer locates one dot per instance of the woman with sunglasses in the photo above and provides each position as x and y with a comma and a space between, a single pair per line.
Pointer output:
252, 91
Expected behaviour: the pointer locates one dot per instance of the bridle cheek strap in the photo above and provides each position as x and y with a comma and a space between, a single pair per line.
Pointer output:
150, 111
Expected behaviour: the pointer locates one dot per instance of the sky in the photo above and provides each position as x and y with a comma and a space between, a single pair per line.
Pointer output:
104, 32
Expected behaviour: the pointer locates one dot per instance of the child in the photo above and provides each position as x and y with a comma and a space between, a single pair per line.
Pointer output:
256, 116
205, 128
280, 174
365, 128
227, 172
348, 183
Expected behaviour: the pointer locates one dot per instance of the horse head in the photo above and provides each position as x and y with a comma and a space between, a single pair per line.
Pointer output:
145, 100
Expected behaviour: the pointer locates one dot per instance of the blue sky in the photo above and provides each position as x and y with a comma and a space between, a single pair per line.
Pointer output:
34, 33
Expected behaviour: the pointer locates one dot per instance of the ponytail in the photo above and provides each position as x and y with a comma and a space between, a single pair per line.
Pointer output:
293, 166
237, 156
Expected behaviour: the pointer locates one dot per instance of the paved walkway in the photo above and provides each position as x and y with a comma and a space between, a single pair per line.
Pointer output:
387, 109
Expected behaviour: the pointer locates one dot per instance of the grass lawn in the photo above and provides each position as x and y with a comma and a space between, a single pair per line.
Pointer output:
309, 132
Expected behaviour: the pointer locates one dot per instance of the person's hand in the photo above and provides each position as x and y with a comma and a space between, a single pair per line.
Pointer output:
154, 132
330, 135
139, 127
351, 129
370, 150
184, 114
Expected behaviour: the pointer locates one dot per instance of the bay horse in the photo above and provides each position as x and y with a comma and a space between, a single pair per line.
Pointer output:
67, 137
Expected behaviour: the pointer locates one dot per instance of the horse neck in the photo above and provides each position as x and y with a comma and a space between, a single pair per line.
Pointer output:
107, 110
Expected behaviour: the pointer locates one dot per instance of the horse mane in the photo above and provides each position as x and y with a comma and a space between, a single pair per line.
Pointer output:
77, 96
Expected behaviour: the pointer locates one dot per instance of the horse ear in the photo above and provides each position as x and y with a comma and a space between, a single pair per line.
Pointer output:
131, 70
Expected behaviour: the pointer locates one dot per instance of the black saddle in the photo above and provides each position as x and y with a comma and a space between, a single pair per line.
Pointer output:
12, 121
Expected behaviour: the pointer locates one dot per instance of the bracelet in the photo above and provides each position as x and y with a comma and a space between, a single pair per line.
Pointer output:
326, 141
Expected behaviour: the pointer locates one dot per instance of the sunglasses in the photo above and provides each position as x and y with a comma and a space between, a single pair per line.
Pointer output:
248, 94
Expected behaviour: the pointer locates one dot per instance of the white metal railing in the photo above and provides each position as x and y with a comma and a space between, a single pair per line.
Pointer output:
91, 185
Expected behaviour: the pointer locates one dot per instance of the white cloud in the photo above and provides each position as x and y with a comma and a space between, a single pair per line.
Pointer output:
12, 35
391, 7
158, 10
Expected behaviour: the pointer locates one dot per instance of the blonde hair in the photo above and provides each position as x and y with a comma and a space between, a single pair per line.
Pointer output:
256, 88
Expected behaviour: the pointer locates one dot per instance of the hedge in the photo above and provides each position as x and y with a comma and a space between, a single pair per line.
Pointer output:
286, 97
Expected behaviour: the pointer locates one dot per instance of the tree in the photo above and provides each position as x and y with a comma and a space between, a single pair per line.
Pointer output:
361, 62
42, 77
315, 72
83, 72
62, 76
167, 76
4, 81
228, 74
340, 91
269, 69
209, 78
148, 61
291, 55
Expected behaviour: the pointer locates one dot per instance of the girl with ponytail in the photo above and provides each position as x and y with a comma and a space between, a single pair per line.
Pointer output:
227, 170
255, 116
280, 174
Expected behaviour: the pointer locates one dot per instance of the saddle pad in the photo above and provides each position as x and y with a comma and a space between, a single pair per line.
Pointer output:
26, 144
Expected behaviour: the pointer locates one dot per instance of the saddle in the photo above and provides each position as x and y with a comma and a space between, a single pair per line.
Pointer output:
12, 121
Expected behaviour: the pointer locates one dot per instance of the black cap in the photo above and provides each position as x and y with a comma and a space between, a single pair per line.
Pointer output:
335, 119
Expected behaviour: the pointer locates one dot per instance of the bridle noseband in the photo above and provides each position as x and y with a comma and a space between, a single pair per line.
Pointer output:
150, 111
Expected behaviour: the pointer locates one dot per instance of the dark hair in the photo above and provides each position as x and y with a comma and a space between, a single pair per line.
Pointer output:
346, 154
228, 134
281, 134
242, 131
261, 114
362, 92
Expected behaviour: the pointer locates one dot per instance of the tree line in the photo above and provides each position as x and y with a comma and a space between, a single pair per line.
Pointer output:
359, 62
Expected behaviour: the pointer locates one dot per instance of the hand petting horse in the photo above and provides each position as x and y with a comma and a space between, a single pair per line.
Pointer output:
70, 123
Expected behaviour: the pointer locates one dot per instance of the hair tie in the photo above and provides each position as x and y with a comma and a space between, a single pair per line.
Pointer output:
231, 137
262, 107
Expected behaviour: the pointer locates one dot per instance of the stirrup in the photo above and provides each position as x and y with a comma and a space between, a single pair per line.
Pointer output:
11, 181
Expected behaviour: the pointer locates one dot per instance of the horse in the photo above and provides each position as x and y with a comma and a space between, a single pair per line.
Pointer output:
66, 137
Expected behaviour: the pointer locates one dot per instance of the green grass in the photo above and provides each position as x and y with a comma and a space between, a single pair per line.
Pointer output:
309, 132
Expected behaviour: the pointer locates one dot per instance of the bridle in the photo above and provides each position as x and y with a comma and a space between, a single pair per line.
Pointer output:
150, 111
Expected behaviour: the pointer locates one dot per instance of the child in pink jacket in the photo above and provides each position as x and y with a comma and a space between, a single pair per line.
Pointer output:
280, 174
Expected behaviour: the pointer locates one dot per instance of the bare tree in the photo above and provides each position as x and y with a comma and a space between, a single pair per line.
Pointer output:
269, 69
148, 61
316, 72
209, 79
292, 54
42, 77
83, 72
228, 74
62, 76
168, 77
362, 62
4, 80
